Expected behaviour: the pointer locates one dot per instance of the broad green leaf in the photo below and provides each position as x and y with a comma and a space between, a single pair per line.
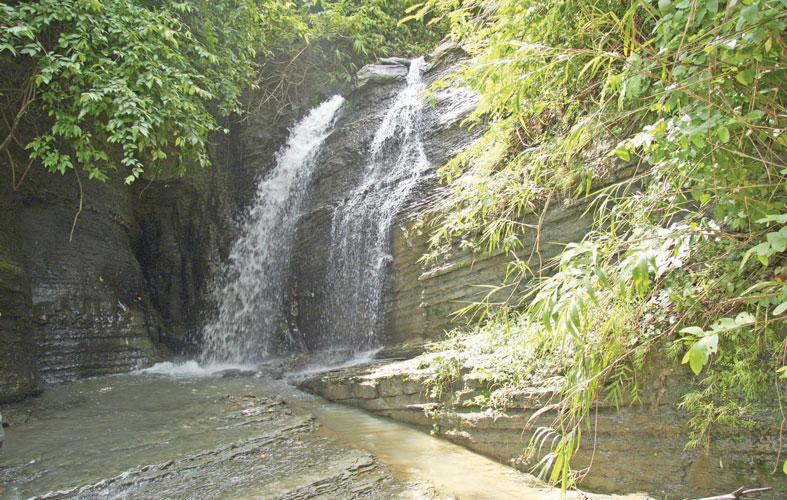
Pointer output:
780, 218
724, 134
700, 351
749, 13
744, 318
777, 240
724, 324
754, 116
745, 77
693, 330
623, 153
780, 309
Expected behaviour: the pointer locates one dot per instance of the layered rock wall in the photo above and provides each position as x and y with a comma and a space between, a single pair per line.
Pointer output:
425, 296
90, 311
641, 447
18, 346
420, 298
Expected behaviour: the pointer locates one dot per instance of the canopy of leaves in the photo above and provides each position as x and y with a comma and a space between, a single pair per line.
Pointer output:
667, 120
132, 85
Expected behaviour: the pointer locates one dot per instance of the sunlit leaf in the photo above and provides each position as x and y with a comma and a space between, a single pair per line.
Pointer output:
623, 154
700, 352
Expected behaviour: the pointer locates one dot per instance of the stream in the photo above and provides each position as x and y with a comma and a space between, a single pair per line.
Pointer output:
183, 433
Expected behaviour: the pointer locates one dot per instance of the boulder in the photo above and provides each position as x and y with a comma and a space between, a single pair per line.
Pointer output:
381, 73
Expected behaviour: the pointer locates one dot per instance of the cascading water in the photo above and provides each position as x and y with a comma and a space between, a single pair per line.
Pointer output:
360, 250
251, 300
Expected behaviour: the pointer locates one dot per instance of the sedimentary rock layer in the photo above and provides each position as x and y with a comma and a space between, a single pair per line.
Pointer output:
641, 447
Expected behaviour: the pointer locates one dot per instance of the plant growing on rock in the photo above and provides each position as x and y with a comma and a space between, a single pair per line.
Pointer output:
667, 121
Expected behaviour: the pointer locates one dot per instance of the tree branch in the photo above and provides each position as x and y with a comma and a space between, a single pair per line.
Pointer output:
16, 185
74, 225
30, 95
736, 494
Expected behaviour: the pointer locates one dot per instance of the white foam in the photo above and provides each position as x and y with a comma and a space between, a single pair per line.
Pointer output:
191, 369
359, 358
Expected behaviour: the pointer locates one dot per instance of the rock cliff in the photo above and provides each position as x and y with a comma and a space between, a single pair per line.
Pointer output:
18, 347
131, 284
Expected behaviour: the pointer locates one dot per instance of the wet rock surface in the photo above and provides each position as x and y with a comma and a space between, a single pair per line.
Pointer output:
18, 348
289, 461
131, 283
134, 281
419, 298
225, 438
245, 437
382, 73
91, 313
639, 448
340, 168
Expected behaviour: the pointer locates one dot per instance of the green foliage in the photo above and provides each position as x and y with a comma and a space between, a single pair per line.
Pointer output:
370, 29
704, 343
125, 83
668, 124
445, 371
138, 85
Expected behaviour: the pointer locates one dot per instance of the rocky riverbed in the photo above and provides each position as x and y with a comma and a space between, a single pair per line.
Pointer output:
183, 434
149, 436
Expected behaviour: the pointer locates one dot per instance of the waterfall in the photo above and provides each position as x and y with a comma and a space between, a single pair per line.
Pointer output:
251, 298
361, 241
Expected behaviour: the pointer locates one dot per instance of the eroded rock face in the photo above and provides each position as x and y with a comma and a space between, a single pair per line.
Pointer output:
18, 348
182, 230
134, 281
395, 70
72, 305
91, 313
132, 285
419, 297
424, 296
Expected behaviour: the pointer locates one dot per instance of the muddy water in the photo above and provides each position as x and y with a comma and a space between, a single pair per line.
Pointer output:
411, 453
236, 437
